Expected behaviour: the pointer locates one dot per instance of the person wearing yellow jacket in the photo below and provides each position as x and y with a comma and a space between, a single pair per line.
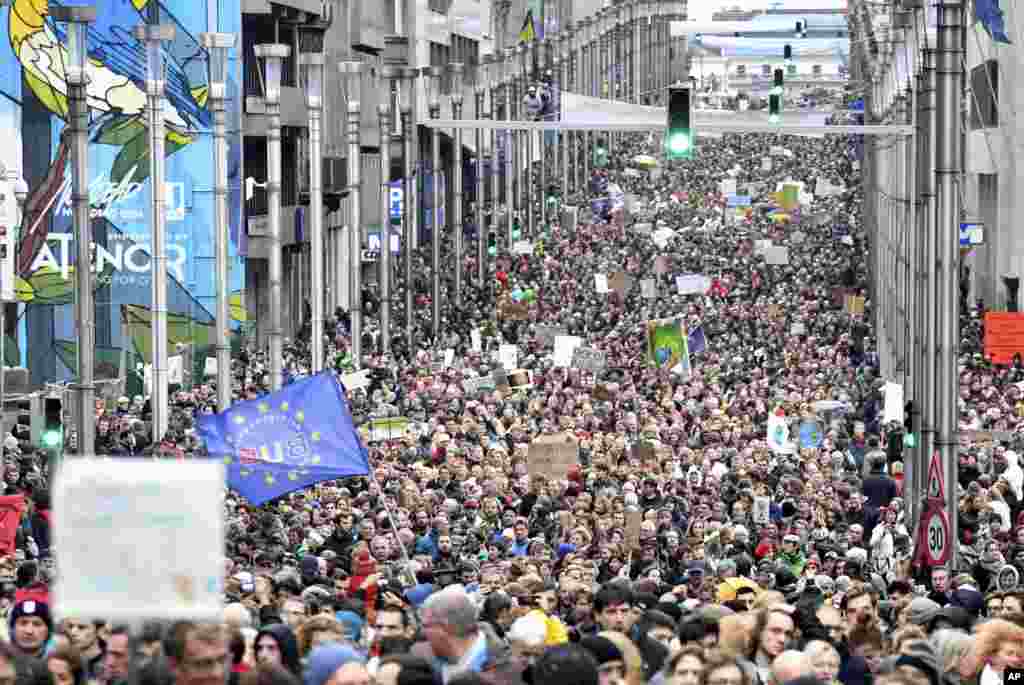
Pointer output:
545, 602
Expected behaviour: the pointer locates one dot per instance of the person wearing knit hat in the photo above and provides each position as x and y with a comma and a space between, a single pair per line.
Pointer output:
922, 610
31, 626
337, 664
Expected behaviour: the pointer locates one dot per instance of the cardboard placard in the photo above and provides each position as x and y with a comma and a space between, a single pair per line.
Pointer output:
774, 311
1004, 336
853, 304
516, 311
589, 358
634, 520
620, 282
551, 456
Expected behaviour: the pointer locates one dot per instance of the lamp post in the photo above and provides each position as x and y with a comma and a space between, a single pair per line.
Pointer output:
494, 85
153, 36
587, 86
526, 62
77, 20
389, 75
351, 79
312, 71
455, 74
273, 55
483, 79
519, 78
562, 62
432, 82
10, 182
410, 198
217, 46
508, 78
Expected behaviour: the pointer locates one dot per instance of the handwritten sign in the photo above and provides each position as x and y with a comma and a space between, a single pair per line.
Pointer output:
853, 304
601, 283
508, 355
588, 358
564, 347
551, 456
145, 539
1004, 336
634, 520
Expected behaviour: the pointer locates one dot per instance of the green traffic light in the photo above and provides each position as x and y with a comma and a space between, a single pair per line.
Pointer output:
773, 118
51, 438
679, 143
909, 440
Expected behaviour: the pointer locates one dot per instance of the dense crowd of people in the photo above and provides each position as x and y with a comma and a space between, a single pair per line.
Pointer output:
685, 543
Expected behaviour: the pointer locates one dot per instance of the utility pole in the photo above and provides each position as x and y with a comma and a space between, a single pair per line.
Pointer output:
949, 86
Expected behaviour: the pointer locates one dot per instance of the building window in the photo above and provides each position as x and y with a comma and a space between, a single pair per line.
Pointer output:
766, 70
985, 95
440, 56
817, 70
741, 70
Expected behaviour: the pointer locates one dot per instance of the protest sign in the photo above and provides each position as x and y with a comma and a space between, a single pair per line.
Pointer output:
145, 539
588, 358
515, 311
546, 334
634, 520
551, 456
523, 247
601, 283
761, 511
774, 311
357, 380
478, 384
475, 340
643, 228
766, 164
377, 430
210, 366
798, 328
727, 186
893, 408
175, 369
508, 356
564, 346
853, 304
797, 237
620, 282
649, 288
570, 217
1004, 336
777, 255
692, 284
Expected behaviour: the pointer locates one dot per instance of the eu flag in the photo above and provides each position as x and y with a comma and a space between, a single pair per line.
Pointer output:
992, 18
696, 340
288, 440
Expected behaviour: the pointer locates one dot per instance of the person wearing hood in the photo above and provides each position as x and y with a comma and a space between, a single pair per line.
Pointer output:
276, 644
1013, 474
336, 665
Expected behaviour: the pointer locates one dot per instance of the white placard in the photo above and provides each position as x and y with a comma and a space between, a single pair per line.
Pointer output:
692, 284
893, 411
523, 247
798, 329
357, 380
210, 366
508, 356
475, 340
649, 288
175, 366
145, 539
761, 511
727, 186
564, 346
601, 283
766, 164
449, 357
777, 255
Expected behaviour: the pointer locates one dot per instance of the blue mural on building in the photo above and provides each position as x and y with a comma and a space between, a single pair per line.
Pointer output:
33, 102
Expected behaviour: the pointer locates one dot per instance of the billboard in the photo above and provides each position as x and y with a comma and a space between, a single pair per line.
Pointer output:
33, 105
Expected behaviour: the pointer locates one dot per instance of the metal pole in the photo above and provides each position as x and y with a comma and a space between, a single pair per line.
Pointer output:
495, 159
410, 202
947, 172
314, 103
153, 36
519, 87
510, 151
560, 79
481, 231
433, 76
214, 42
384, 260
929, 280
455, 70
351, 73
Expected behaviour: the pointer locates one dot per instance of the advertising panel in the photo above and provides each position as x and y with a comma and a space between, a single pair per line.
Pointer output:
34, 103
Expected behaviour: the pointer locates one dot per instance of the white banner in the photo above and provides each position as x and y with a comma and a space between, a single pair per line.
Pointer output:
692, 284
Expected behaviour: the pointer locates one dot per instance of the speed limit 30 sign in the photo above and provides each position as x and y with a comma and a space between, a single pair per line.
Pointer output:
936, 537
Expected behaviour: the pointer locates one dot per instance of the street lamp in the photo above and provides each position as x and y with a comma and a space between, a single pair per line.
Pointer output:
432, 83
217, 46
410, 196
153, 37
273, 56
351, 81
77, 20
508, 79
522, 194
386, 78
311, 66
483, 82
456, 71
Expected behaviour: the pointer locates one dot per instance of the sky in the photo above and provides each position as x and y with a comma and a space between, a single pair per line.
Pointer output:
702, 11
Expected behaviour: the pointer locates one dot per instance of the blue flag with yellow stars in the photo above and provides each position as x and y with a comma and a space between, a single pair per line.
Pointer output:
291, 439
